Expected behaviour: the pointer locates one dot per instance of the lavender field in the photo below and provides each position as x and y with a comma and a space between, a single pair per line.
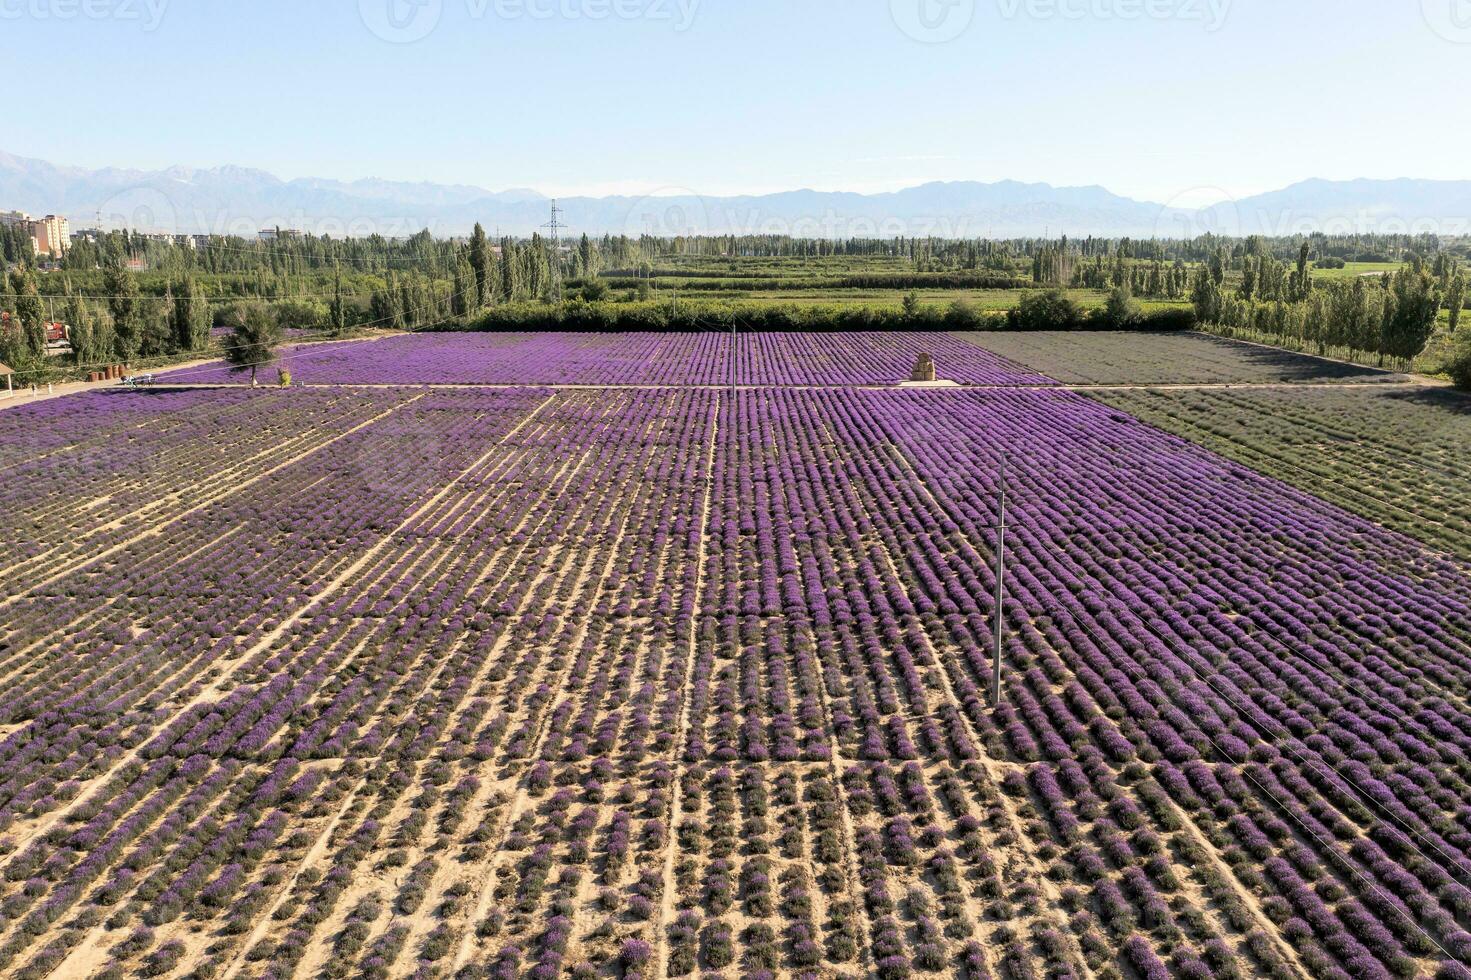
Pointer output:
648, 678
650, 358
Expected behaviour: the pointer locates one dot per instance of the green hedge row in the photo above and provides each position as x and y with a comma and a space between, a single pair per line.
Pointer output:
693, 317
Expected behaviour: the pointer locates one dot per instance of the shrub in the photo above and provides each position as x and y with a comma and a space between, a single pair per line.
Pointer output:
1459, 367
1049, 309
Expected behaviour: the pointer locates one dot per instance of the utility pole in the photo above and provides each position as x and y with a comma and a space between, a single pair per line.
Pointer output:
554, 231
1000, 586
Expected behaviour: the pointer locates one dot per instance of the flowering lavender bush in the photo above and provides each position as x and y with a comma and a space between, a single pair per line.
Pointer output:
636, 358
403, 682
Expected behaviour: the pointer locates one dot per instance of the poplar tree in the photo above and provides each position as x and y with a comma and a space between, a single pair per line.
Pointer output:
480, 266
338, 310
1455, 299
509, 288
190, 315
468, 288
122, 304
28, 310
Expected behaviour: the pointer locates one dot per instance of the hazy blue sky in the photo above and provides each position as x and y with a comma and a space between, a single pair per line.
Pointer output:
1151, 98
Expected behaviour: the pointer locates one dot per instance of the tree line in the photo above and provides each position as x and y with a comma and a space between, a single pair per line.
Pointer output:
1391, 315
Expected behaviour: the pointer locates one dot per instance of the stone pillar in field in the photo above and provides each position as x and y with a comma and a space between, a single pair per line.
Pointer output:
924, 369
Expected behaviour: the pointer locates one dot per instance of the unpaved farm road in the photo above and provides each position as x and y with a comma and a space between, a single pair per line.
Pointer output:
1411, 381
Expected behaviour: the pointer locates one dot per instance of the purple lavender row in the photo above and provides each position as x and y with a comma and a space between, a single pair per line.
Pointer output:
1215, 606
859, 358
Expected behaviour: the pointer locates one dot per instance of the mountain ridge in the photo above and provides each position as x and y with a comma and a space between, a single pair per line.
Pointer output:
233, 199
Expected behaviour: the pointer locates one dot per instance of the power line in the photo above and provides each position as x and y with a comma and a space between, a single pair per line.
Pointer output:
555, 229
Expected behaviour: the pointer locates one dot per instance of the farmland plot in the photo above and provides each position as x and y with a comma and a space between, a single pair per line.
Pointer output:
653, 358
535, 682
1110, 358
1396, 456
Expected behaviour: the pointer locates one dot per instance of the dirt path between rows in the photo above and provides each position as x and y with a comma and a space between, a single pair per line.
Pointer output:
681, 727
1415, 381
1190, 828
231, 490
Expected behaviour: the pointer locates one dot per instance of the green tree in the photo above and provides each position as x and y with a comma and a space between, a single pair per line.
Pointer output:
28, 310
1408, 326
468, 286
301, 314
191, 317
1460, 365
587, 258
911, 305
480, 267
338, 310
1121, 311
123, 299
1050, 309
383, 308
252, 340
510, 281
1206, 297
156, 325
1455, 299
1302, 278
91, 335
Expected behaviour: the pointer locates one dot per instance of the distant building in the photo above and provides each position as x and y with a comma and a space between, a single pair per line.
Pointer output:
52, 234
21, 220
278, 234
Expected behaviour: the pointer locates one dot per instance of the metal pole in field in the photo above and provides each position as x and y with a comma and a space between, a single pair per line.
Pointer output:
1000, 586
732, 361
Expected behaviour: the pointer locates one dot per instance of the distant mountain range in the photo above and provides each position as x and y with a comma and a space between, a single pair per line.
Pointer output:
241, 201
